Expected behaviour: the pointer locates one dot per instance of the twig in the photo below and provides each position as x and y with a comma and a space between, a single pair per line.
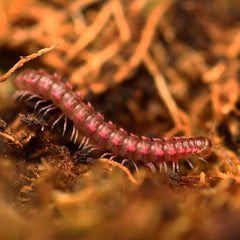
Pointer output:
121, 21
137, 5
234, 48
25, 59
91, 32
11, 139
124, 169
94, 62
145, 41
82, 4
179, 117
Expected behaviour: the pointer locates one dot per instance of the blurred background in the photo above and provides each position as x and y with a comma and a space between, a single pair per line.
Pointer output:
154, 67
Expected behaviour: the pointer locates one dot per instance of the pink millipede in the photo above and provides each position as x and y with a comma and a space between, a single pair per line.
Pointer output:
105, 134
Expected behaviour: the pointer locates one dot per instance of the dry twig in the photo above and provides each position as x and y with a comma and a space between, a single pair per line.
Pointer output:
179, 117
120, 166
25, 59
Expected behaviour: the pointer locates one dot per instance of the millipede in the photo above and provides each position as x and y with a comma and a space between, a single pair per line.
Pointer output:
151, 151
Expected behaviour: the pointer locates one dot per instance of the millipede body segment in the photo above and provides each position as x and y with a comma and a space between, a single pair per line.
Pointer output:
106, 134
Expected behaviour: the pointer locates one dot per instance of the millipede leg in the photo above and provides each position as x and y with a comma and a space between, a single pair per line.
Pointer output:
83, 143
151, 166
19, 95
23, 95
202, 159
135, 166
190, 164
173, 167
132, 162
165, 166
45, 108
112, 157
32, 97
108, 154
73, 133
16, 95
56, 121
39, 102
84, 146
93, 148
124, 161
160, 167
86, 143
48, 110
177, 167
64, 126
76, 136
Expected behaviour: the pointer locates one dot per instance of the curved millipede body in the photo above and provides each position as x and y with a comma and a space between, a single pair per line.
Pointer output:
106, 134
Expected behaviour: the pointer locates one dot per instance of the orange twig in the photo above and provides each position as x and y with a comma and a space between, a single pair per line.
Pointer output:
146, 39
121, 21
234, 47
11, 139
82, 3
95, 62
137, 5
179, 117
91, 32
124, 169
25, 59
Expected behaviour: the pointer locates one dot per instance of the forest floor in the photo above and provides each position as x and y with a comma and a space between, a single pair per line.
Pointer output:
157, 68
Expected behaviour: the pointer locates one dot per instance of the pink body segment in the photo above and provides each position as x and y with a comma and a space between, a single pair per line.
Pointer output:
106, 134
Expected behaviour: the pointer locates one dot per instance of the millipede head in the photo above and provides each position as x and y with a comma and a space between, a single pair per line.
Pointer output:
206, 148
